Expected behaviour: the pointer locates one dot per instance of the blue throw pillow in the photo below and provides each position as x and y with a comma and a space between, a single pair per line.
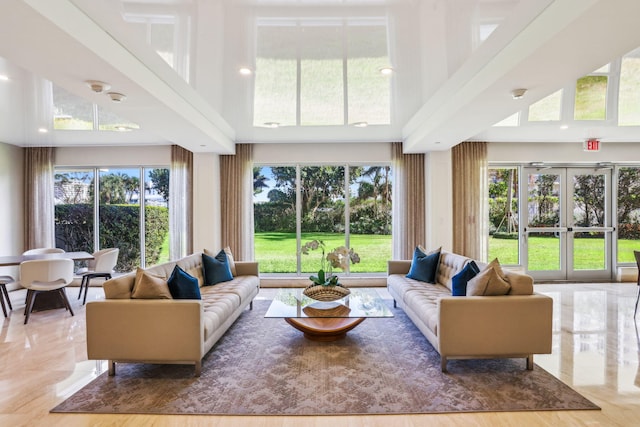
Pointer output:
459, 281
216, 269
182, 285
424, 267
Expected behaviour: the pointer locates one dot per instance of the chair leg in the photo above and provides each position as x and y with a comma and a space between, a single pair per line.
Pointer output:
86, 289
6, 295
31, 296
4, 308
63, 293
84, 278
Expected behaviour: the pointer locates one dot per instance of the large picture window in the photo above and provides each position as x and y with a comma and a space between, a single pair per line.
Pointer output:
130, 212
340, 205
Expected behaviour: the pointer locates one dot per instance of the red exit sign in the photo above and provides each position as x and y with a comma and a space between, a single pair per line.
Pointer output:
592, 145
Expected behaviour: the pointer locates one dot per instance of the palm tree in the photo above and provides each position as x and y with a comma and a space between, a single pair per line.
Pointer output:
259, 180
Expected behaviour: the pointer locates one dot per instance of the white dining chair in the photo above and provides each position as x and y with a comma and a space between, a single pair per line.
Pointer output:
46, 275
102, 265
39, 251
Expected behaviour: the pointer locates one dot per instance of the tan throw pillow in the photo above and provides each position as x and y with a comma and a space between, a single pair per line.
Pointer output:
232, 264
495, 264
148, 286
227, 252
487, 283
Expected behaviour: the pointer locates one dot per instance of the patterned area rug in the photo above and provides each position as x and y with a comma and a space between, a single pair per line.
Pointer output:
265, 367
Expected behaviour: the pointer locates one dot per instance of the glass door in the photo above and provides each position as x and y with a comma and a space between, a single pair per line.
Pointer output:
568, 230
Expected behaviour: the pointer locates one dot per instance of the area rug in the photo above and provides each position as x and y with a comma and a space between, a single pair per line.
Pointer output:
266, 367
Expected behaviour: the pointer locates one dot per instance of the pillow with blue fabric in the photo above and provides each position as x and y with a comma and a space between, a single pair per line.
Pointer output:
216, 269
182, 285
460, 280
424, 266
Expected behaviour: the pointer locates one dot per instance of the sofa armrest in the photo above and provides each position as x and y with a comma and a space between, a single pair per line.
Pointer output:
500, 325
246, 268
145, 330
398, 266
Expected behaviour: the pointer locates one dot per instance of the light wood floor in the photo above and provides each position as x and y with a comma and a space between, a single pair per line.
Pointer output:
595, 351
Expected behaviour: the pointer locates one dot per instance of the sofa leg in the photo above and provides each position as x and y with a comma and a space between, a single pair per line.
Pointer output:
530, 362
198, 368
112, 367
251, 305
443, 364
394, 304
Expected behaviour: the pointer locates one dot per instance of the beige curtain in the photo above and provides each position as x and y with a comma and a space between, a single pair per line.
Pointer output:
180, 203
409, 218
236, 199
470, 217
38, 198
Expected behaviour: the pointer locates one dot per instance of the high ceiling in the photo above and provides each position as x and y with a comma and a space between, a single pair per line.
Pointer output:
455, 64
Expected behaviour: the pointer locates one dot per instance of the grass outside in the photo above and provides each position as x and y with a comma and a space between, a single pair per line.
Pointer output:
544, 252
276, 252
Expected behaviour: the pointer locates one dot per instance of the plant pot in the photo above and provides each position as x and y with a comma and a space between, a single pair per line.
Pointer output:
326, 293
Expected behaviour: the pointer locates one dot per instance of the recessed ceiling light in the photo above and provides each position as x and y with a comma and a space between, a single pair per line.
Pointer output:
361, 124
43, 130
272, 125
123, 128
564, 127
245, 71
386, 71
4, 78
116, 97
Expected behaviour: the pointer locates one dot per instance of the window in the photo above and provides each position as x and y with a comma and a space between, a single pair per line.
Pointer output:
591, 96
321, 72
118, 216
628, 212
341, 205
503, 215
628, 95
547, 109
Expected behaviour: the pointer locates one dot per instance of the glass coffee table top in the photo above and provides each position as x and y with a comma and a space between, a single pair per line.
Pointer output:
360, 303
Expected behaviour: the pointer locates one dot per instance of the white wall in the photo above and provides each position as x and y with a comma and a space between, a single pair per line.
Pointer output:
439, 200
12, 210
291, 154
562, 153
159, 155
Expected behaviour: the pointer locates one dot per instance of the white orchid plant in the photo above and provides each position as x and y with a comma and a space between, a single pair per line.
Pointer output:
337, 258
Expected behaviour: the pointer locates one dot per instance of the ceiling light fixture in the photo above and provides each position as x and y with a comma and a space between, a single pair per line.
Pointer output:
564, 127
116, 97
386, 71
272, 125
245, 71
518, 93
361, 124
97, 86
123, 128
4, 77
43, 130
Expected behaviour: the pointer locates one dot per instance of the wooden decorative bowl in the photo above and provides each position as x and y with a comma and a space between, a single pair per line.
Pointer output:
326, 293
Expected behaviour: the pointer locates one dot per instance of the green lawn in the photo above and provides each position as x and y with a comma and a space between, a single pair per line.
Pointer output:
276, 252
544, 252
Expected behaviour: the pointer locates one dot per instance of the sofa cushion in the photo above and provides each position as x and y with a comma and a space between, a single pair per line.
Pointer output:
488, 283
182, 285
450, 265
460, 280
230, 259
424, 266
216, 269
148, 286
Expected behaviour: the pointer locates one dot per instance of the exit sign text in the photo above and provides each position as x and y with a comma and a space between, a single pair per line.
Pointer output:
592, 145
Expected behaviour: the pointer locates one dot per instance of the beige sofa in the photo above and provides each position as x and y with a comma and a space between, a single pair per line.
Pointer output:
181, 331
514, 325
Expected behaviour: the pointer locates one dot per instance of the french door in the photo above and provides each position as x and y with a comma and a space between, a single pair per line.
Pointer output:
568, 223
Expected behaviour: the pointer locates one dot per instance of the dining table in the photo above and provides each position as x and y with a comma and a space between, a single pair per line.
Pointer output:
46, 300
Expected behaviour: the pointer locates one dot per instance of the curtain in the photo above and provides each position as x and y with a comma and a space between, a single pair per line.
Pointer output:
38, 198
180, 203
470, 217
409, 229
236, 199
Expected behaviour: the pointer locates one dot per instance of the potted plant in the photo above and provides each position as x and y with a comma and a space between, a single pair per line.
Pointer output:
325, 285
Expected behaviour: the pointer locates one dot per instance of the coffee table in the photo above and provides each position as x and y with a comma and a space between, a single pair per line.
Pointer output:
327, 321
